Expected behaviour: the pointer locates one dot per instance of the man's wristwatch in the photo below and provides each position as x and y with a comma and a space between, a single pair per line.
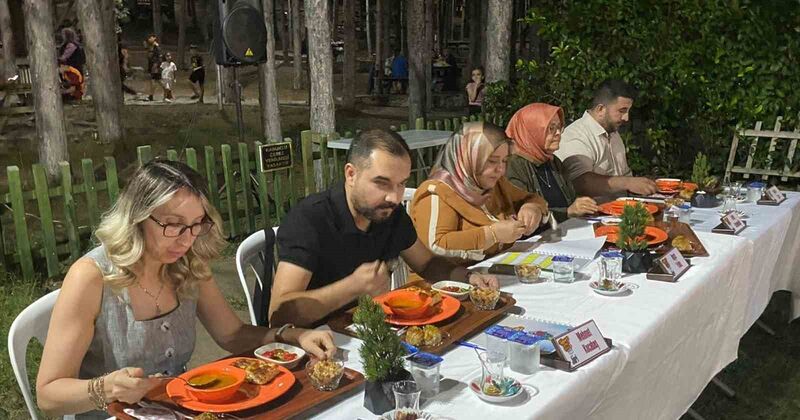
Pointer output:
279, 333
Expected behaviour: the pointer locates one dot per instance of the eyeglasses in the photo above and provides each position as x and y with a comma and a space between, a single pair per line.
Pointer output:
173, 230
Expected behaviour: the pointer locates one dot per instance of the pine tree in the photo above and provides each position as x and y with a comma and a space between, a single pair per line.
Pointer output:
631, 228
381, 350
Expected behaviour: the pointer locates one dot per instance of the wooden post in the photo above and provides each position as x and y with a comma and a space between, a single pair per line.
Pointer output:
416, 60
105, 93
180, 19
50, 129
157, 26
9, 57
298, 29
498, 33
267, 89
283, 22
350, 50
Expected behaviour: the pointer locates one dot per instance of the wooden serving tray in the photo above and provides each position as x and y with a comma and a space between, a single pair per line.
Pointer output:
684, 229
302, 397
466, 322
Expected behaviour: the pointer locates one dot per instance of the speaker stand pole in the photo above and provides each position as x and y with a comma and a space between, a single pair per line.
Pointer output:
238, 88
220, 87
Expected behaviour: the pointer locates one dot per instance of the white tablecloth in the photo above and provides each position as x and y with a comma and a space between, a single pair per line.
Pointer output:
670, 339
416, 139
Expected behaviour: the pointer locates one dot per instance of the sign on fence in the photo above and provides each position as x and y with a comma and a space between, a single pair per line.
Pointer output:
275, 156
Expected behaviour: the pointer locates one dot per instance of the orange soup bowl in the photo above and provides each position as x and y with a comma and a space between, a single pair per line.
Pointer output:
668, 183
408, 305
229, 380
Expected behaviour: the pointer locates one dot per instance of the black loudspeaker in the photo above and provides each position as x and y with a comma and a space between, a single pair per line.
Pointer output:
240, 35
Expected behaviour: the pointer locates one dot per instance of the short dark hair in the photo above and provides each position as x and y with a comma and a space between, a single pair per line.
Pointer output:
376, 139
610, 90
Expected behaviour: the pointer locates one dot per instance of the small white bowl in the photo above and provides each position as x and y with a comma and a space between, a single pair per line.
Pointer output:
438, 286
272, 346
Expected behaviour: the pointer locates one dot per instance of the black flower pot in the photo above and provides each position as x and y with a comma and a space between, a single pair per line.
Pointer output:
378, 395
636, 261
704, 200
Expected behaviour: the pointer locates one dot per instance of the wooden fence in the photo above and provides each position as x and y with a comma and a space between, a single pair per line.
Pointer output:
44, 227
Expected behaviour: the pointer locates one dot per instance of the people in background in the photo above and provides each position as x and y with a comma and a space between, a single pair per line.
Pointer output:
72, 84
475, 91
154, 59
198, 75
467, 210
71, 52
127, 310
536, 131
168, 69
124, 67
345, 242
592, 149
400, 72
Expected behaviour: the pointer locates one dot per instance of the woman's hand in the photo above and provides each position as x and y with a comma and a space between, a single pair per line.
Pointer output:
531, 216
128, 385
317, 343
508, 231
582, 206
482, 280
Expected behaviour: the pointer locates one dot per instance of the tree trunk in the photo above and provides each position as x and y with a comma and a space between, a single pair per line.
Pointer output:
427, 52
350, 49
498, 43
367, 29
379, 44
201, 12
157, 26
108, 12
284, 32
105, 92
267, 90
320, 63
180, 19
415, 12
474, 14
9, 56
297, 45
46, 89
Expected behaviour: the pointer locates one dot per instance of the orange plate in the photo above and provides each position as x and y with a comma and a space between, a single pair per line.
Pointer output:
248, 396
652, 234
615, 208
446, 309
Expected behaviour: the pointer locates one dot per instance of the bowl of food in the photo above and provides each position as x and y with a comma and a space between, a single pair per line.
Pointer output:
455, 289
281, 354
408, 304
484, 298
214, 384
325, 375
668, 184
528, 273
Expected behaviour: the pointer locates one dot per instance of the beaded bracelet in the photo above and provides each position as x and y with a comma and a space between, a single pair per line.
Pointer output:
97, 395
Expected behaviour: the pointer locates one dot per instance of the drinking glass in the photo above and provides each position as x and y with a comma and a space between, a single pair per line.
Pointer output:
493, 364
610, 266
406, 395
563, 269
426, 375
729, 204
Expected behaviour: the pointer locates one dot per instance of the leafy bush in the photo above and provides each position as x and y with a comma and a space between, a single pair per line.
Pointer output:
701, 68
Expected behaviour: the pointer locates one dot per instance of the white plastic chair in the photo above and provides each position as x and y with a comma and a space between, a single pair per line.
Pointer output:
32, 322
251, 254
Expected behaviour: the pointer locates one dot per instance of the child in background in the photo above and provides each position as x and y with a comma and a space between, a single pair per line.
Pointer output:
168, 69
198, 76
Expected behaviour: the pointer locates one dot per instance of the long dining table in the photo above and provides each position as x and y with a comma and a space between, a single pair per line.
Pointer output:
670, 339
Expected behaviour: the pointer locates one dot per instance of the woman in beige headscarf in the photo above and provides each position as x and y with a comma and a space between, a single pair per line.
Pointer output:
467, 209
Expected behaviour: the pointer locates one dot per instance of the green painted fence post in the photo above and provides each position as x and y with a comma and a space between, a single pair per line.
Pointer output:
323, 155
87, 169
230, 189
211, 177
112, 180
20, 224
419, 123
70, 218
437, 125
46, 219
263, 191
307, 152
172, 154
145, 154
448, 125
244, 170
191, 157
403, 127
290, 180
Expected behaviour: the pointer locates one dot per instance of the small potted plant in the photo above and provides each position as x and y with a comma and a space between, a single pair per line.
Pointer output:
631, 239
382, 355
708, 186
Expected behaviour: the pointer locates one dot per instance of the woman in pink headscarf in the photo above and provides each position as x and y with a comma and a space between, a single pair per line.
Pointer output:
467, 209
536, 132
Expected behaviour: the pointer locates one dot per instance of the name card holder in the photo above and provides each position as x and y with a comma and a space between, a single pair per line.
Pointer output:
731, 224
577, 347
772, 197
669, 267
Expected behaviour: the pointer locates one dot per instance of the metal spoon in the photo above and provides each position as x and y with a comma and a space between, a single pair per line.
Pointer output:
194, 383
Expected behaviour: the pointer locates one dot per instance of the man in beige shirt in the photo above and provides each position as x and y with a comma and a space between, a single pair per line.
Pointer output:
592, 149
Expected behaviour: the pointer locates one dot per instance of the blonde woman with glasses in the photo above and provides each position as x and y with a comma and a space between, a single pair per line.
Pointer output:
127, 310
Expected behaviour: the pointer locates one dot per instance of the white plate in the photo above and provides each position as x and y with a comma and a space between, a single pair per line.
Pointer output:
475, 387
444, 283
610, 220
623, 288
272, 346
389, 415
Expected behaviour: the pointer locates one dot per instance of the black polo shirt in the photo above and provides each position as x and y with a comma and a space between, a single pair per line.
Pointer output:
320, 235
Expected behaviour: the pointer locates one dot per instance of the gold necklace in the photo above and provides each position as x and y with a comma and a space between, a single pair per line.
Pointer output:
154, 297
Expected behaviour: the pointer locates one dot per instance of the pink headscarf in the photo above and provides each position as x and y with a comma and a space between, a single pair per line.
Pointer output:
463, 158
528, 127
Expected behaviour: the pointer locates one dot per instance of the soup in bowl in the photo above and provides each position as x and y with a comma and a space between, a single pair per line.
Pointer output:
408, 304
218, 383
